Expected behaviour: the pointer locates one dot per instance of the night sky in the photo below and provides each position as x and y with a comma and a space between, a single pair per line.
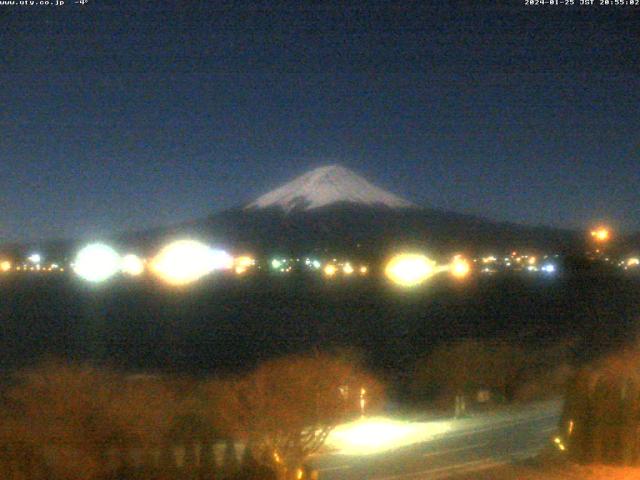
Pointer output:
115, 116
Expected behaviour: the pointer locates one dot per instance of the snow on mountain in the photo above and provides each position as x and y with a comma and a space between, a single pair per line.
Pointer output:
324, 186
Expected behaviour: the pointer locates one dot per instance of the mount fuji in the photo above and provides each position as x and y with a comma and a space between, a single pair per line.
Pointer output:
325, 186
332, 209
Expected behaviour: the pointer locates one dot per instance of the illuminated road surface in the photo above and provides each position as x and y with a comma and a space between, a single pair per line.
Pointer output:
468, 445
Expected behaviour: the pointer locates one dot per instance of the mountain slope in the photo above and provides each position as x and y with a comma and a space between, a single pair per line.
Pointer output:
331, 209
325, 186
367, 230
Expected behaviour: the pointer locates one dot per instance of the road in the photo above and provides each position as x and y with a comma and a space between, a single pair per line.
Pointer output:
439, 448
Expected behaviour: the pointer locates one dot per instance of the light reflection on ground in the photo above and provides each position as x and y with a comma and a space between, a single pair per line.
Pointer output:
373, 435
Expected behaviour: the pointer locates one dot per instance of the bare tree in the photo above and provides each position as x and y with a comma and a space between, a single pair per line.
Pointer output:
287, 407
75, 417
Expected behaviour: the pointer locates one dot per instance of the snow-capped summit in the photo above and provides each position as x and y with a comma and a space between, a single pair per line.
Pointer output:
324, 186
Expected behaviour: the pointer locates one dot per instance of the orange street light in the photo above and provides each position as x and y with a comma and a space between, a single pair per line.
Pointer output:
601, 234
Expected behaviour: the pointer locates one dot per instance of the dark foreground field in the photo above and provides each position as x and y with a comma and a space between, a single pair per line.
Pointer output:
233, 323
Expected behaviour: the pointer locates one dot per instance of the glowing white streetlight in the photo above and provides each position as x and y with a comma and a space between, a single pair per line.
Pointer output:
35, 258
97, 262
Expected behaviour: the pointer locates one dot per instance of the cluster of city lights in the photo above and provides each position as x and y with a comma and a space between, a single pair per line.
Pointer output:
518, 262
334, 268
185, 261
329, 269
33, 264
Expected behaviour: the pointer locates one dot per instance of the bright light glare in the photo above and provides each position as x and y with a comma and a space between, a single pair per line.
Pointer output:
35, 258
379, 434
548, 268
132, 265
330, 270
243, 263
347, 269
633, 262
410, 269
600, 234
96, 262
5, 266
460, 267
185, 261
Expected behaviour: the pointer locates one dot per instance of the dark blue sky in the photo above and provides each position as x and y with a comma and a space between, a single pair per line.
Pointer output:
115, 117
